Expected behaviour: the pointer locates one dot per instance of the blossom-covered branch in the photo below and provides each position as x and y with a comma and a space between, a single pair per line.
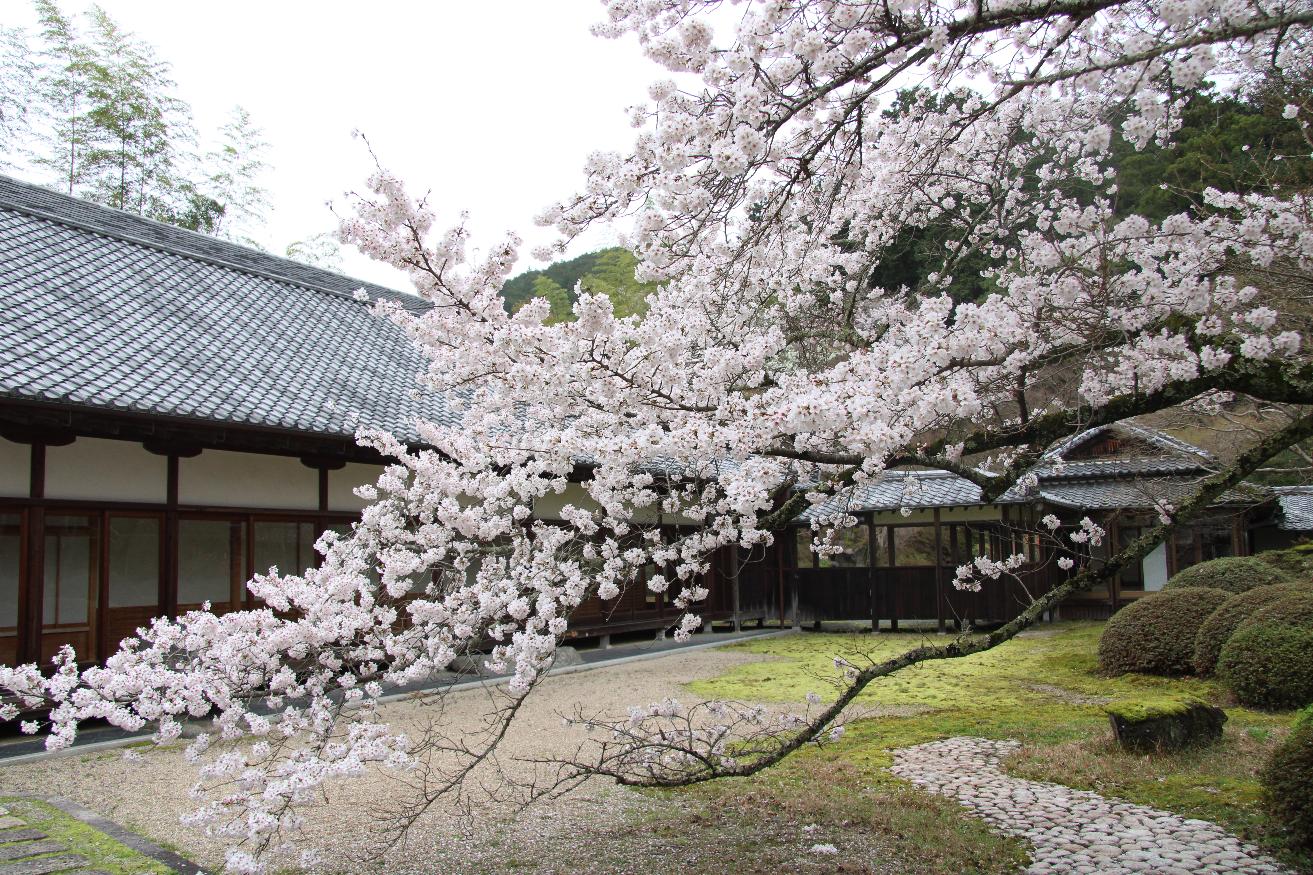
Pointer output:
781, 361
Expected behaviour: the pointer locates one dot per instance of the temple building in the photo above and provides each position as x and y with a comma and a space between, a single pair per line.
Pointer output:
177, 413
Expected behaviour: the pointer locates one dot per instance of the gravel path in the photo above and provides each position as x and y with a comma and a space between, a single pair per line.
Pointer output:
1075, 831
150, 793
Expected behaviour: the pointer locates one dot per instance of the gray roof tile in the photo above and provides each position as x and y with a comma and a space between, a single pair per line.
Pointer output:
1132, 494
1296, 504
107, 310
903, 489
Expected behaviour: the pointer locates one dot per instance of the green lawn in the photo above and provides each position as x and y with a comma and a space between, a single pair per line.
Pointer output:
1042, 689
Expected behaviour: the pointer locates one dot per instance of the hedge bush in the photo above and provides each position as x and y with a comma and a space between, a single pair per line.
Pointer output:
1287, 781
1296, 561
1156, 634
1235, 574
1268, 661
1294, 609
1223, 622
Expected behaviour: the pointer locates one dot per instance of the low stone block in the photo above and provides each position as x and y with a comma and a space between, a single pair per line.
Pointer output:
20, 835
1164, 724
566, 656
44, 865
9, 822
29, 849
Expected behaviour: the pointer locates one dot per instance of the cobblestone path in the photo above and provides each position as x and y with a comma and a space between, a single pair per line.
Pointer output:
1075, 831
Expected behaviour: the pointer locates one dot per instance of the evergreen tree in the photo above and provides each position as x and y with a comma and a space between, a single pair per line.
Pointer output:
318, 250
233, 170
95, 108
556, 295
140, 131
612, 275
18, 72
609, 272
66, 66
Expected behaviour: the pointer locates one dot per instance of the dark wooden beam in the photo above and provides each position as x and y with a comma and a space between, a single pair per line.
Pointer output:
325, 463
175, 448
164, 434
36, 434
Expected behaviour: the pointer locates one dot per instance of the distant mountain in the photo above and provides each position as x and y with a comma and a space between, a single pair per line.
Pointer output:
609, 272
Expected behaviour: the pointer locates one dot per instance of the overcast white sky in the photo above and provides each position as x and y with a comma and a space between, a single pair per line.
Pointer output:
491, 106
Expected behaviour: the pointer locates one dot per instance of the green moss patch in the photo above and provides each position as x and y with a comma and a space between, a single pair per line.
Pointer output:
102, 852
1138, 710
1062, 723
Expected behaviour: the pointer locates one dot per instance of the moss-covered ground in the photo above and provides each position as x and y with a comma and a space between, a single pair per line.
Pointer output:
102, 852
1043, 689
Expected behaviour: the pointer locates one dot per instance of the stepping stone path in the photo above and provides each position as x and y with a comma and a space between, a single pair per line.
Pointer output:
1074, 831
19, 854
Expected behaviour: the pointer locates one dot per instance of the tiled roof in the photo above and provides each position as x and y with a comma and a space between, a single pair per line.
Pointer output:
1116, 467
903, 489
1296, 504
1112, 494
1153, 436
107, 310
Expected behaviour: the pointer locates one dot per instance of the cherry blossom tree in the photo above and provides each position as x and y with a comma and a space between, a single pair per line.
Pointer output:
794, 147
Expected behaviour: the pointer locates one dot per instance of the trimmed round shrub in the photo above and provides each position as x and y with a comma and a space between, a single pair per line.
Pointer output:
1287, 781
1222, 622
1155, 635
1293, 609
1268, 660
1296, 561
1234, 574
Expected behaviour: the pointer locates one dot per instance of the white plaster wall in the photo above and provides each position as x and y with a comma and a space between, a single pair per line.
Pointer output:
549, 507
15, 469
1155, 569
104, 470
343, 480
228, 479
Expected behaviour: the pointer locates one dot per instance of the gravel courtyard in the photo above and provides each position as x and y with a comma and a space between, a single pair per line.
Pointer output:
149, 794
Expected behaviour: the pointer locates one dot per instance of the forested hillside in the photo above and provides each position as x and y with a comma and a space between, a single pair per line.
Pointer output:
609, 272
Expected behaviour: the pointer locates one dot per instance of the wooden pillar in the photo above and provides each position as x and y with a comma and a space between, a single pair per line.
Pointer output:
780, 547
797, 623
30, 591
893, 602
169, 578
872, 585
939, 574
734, 586
323, 488
1114, 582
711, 580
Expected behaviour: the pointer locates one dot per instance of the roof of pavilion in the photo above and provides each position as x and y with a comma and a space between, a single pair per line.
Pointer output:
1296, 508
1168, 473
